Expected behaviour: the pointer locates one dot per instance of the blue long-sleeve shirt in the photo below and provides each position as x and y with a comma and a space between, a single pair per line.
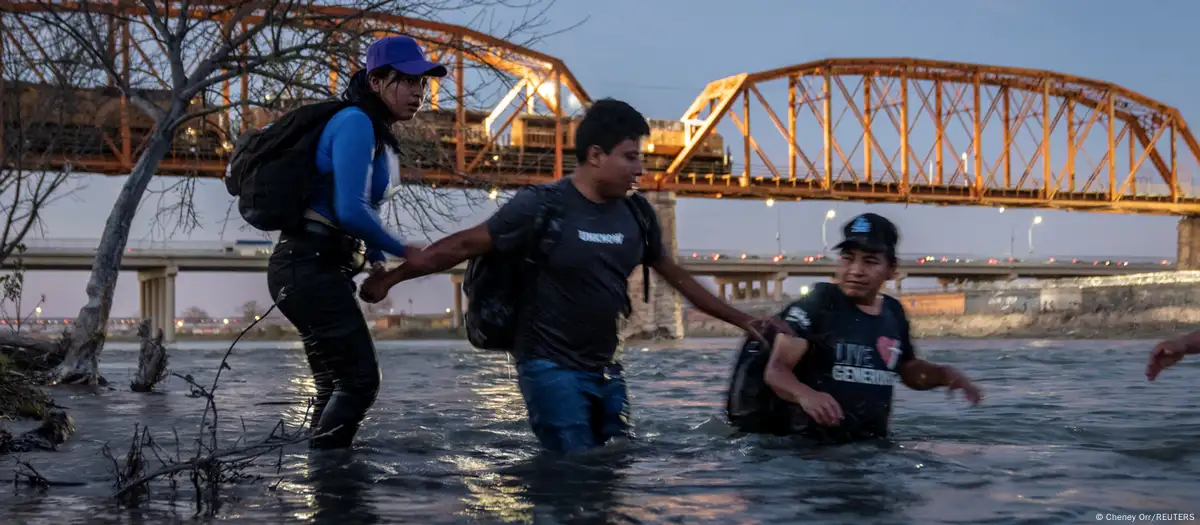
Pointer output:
359, 183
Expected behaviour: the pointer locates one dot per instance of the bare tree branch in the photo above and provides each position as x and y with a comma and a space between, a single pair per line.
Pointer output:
233, 65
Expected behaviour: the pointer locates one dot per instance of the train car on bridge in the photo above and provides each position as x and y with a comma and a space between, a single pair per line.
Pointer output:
86, 123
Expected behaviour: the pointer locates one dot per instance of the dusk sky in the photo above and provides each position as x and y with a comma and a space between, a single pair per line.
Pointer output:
659, 55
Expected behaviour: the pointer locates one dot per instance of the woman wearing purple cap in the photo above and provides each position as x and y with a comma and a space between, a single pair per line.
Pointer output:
311, 271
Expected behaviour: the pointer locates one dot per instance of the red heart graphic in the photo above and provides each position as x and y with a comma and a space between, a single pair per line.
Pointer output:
884, 346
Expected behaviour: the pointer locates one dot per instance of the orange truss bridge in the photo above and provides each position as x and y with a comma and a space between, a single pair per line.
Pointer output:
935, 132
864, 129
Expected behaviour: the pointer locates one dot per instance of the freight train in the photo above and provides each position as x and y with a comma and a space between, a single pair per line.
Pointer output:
86, 123
44, 121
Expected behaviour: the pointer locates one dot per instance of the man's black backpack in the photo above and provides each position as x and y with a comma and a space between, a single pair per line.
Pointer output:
498, 284
273, 170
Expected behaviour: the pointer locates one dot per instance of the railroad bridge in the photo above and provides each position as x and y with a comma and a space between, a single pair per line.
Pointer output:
901, 130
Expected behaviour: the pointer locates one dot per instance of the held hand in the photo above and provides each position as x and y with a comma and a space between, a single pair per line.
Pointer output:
416, 258
823, 408
376, 268
1164, 356
374, 288
958, 381
756, 327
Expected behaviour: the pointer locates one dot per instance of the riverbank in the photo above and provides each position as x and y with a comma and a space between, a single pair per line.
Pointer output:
1152, 323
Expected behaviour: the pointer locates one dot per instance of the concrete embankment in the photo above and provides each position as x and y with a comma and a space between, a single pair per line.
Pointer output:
1126, 307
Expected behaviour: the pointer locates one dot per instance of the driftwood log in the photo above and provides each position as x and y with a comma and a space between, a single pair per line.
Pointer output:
152, 359
30, 353
56, 427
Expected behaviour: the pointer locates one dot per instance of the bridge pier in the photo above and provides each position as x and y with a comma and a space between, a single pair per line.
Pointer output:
663, 316
741, 287
1188, 247
457, 313
157, 296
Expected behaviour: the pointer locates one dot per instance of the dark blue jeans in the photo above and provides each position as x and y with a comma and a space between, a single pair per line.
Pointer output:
570, 410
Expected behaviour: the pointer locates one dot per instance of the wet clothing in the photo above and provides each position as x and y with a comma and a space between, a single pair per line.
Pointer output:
580, 293
853, 356
351, 198
310, 276
310, 273
571, 410
568, 336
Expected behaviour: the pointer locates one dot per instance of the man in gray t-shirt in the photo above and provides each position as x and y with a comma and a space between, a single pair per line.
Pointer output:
568, 332
580, 292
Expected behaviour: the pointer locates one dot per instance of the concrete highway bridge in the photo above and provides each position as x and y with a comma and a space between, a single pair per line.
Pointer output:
737, 275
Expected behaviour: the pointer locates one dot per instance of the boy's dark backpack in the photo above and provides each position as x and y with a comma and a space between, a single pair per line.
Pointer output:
273, 170
497, 284
750, 403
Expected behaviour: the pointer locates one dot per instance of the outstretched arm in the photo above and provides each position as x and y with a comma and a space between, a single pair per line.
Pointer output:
442, 255
1167, 353
697, 294
919, 374
509, 228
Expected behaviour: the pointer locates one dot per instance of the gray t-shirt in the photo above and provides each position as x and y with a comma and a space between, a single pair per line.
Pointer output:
573, 313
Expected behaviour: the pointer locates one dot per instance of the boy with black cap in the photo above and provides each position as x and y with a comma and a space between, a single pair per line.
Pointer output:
833, 380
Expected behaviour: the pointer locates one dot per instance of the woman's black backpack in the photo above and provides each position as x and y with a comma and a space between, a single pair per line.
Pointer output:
273, 170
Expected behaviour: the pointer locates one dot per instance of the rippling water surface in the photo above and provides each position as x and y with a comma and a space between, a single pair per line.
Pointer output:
1068, 430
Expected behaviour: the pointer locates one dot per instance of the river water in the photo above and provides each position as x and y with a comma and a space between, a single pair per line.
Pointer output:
1069, 430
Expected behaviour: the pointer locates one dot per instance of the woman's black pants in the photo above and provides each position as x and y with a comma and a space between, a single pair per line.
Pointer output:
310, 276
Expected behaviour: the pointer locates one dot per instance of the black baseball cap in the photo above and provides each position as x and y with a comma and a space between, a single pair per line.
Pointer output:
870, 232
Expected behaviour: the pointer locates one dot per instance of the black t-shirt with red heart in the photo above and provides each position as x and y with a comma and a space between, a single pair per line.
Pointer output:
853, 356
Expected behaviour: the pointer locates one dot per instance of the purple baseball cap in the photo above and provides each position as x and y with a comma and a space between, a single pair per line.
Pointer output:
404, 55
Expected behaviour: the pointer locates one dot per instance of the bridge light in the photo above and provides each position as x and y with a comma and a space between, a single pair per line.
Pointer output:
447, 310
1002, 209
803, 290
225, 321
493, 194
770, 201
256, 318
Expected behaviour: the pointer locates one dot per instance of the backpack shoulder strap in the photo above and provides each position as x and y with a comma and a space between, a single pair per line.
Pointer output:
642, 211
543, 238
